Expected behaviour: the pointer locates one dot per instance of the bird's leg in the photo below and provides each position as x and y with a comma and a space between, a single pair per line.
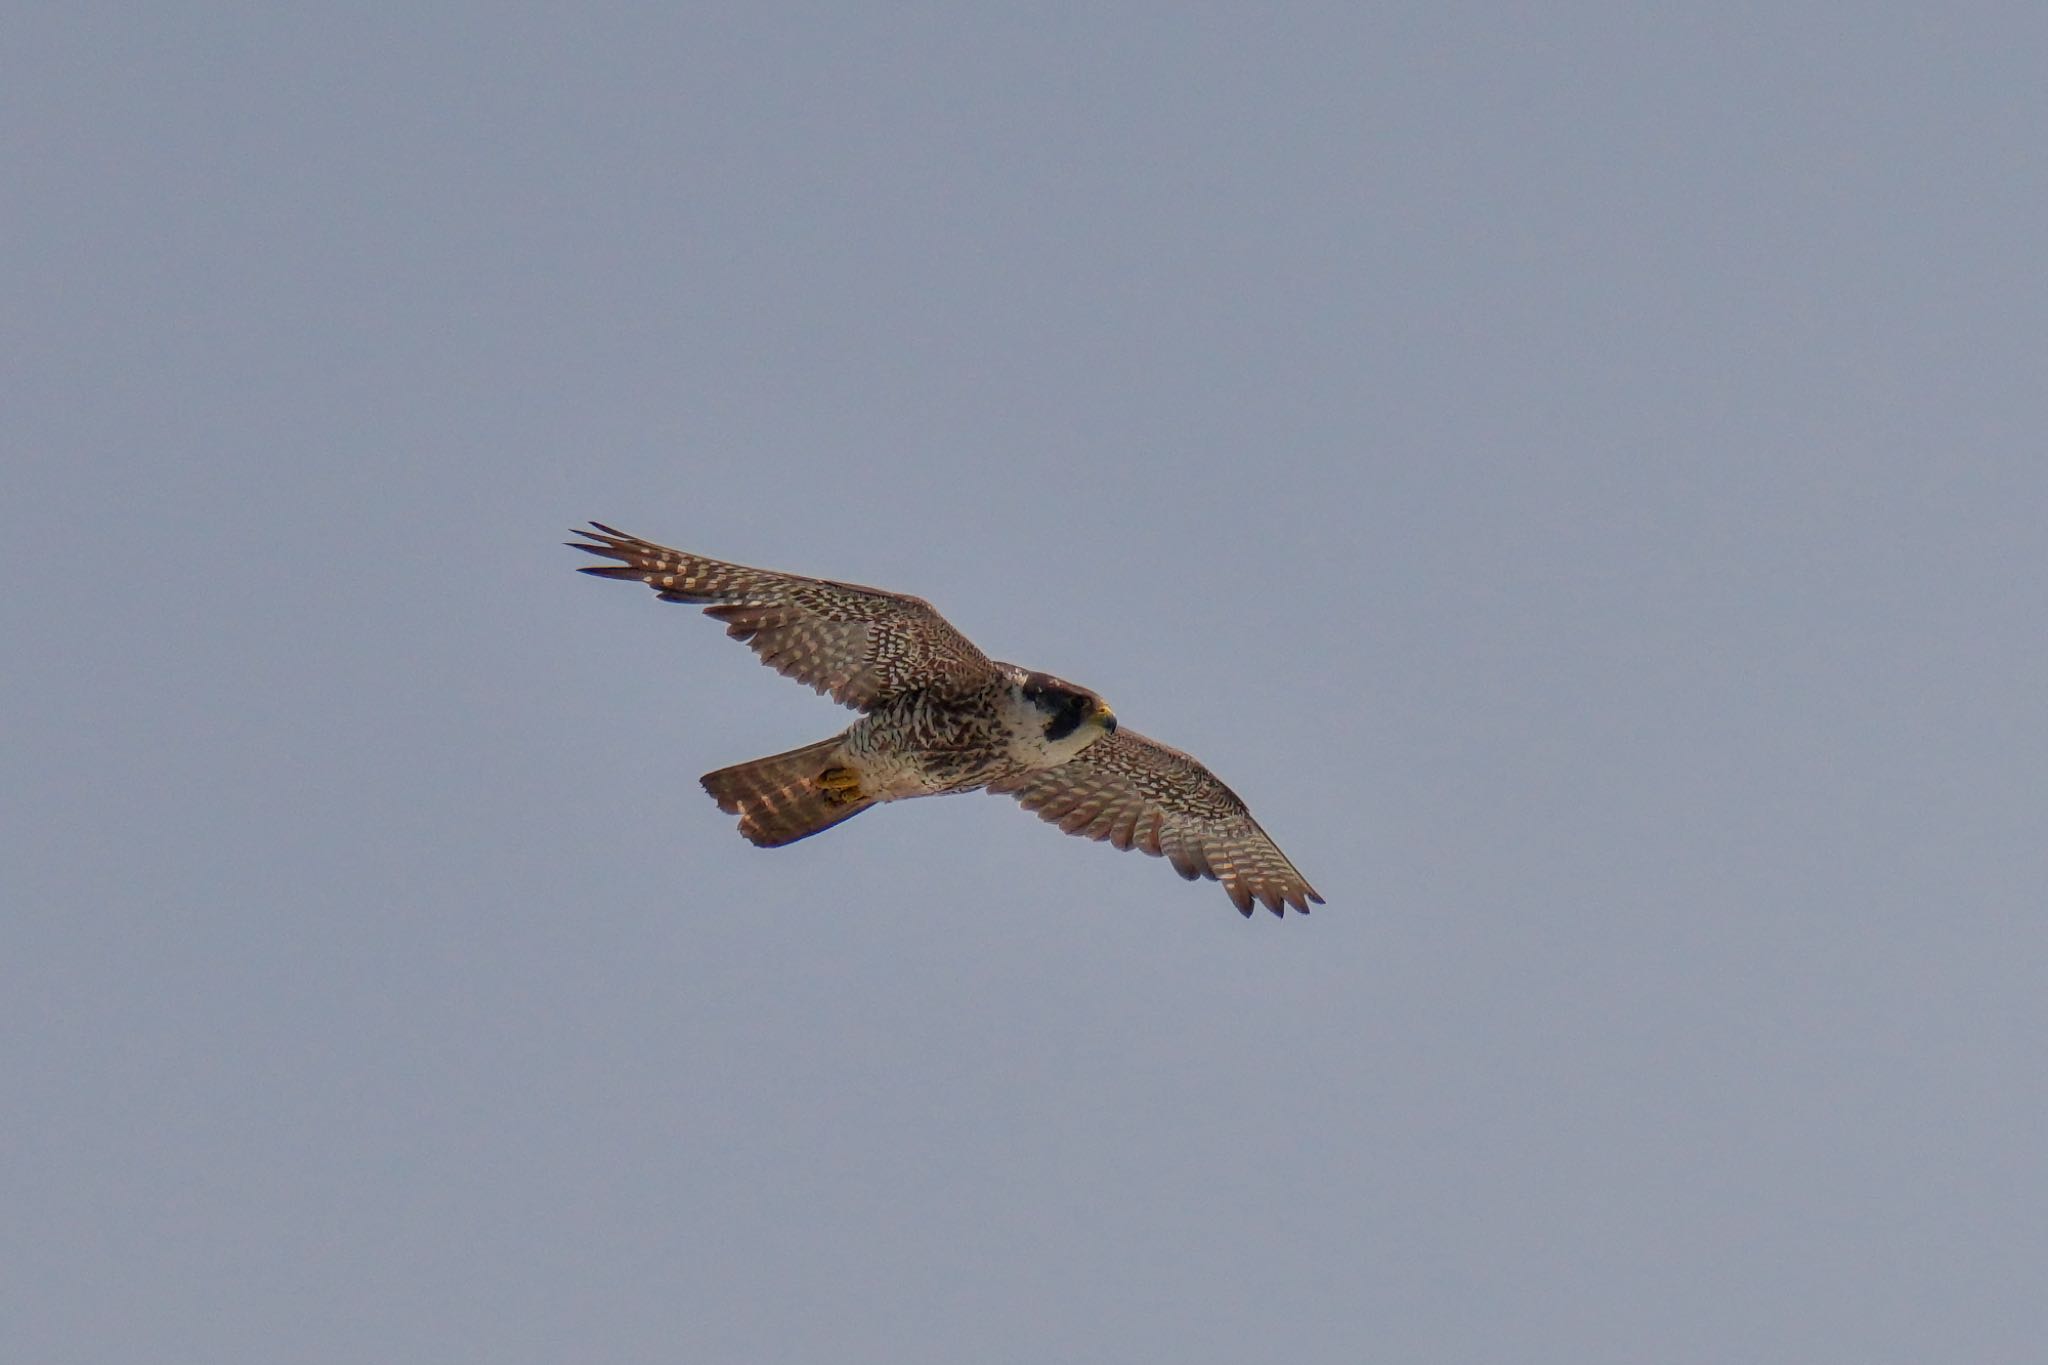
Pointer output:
840, 785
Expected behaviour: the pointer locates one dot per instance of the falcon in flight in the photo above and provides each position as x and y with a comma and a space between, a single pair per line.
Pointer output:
940, 716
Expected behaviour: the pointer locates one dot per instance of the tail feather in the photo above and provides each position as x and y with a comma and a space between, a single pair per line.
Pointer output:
779, 799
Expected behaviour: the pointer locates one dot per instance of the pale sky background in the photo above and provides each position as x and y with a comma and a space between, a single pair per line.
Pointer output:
1578, 471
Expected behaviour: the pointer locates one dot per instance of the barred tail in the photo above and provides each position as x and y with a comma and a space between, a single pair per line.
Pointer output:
781, 799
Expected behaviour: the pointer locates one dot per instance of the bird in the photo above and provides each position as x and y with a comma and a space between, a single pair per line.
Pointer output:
938, 717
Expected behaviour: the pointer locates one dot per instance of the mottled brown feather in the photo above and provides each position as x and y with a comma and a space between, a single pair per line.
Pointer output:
779, 799
1138, 793
861, 646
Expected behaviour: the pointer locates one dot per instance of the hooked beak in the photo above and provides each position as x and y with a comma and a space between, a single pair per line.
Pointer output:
1105, 717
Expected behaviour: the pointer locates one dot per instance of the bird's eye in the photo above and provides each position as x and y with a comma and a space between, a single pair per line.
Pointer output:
1065, 719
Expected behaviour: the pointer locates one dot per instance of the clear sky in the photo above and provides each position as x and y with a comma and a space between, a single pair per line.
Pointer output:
1578, 471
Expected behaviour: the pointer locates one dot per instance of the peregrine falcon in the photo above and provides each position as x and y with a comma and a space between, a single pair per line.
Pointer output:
940, 716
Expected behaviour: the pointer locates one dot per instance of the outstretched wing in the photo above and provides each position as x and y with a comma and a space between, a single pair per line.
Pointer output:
861, 645
1138, 793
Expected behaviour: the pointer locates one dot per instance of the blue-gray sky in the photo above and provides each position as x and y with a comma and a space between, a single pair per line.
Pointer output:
1577, 470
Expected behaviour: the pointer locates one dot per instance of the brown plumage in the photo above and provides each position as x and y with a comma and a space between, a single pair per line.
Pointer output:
860, 645
941, 716
781, 799
1137, 793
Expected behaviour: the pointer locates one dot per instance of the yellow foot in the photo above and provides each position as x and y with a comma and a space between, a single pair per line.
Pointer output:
840, 785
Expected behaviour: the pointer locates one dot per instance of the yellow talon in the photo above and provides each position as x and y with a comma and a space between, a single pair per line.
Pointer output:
840, 784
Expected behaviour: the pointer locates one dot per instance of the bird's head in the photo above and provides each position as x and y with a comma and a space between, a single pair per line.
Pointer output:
1067, 713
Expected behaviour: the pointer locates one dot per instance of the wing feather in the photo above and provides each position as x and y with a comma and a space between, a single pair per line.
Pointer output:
859, 645
1138, 793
